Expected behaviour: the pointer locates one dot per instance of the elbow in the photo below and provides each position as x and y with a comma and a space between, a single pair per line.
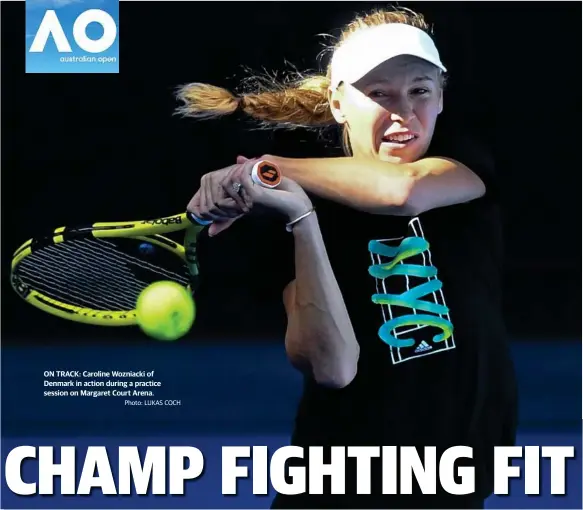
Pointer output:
480, 188
336, 372
395, 194
339, 378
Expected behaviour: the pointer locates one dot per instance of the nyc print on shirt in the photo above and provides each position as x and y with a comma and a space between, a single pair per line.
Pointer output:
410, 296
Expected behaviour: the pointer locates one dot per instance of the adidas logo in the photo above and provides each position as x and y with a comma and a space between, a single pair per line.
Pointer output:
423, 346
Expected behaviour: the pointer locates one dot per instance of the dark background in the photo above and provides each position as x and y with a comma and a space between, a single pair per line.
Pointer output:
84, 148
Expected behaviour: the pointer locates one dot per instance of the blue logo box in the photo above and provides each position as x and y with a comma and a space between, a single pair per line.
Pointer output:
72, 36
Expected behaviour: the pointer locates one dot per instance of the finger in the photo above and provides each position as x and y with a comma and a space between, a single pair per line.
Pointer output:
218, 227
247, 198
241, 160
203, 208
270, 198
194, 204
215, 205
207, 207
226, 209
243, 174
229, 190
225, 201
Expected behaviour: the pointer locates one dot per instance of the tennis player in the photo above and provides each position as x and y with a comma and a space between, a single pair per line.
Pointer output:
396, 322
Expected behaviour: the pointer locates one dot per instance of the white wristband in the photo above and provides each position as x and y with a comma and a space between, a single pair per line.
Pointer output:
289, 226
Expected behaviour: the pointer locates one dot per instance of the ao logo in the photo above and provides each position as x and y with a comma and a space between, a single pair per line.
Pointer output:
50, 25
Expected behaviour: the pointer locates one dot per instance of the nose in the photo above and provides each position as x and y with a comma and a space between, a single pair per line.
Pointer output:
402, 111
401, 117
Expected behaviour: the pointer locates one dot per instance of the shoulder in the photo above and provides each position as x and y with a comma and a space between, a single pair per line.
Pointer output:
483, 215
469, 148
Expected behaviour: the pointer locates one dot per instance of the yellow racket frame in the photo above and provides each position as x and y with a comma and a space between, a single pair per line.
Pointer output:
263, 173
145, 230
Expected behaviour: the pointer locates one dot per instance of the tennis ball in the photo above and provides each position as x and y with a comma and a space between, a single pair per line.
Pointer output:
165, 311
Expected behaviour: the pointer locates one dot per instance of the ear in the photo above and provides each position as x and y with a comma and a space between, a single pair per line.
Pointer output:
334, 100
440, 102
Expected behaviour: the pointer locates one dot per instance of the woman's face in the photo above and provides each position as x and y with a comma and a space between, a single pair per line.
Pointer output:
391, 112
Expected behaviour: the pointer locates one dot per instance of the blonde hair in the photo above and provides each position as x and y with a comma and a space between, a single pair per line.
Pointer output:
297, 100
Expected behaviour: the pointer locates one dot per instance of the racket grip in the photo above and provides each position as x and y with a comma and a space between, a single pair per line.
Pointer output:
264, 174
196, 220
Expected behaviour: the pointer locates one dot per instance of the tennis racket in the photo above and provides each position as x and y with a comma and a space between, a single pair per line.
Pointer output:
93, 274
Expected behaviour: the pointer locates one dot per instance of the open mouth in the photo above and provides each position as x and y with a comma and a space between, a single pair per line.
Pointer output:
399, 139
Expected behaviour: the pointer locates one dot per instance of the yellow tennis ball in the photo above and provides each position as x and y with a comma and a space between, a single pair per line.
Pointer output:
165, 311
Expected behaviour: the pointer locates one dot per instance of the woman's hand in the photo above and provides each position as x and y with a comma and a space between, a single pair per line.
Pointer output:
218, 199
212, 202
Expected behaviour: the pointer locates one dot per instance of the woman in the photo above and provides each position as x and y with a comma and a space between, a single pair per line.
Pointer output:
396, 323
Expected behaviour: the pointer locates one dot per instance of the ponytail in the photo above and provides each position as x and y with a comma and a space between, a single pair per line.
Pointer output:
303, 103
202, 101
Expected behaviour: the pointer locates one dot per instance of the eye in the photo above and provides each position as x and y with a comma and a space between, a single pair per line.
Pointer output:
377, 93
420, 91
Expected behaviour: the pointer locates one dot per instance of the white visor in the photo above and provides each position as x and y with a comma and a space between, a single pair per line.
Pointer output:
370, 47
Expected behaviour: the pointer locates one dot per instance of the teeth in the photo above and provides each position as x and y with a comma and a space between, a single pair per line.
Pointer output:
399, 138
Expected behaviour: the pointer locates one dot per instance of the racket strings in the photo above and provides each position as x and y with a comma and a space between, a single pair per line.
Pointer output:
110, 249
81, 264
53, 288
95, 273
81, 285
50, 282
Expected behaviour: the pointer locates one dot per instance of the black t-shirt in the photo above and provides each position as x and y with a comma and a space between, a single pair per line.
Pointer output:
424, 298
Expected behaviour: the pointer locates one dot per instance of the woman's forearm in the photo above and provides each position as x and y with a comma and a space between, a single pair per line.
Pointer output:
372, 186
320, 338
380, 187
